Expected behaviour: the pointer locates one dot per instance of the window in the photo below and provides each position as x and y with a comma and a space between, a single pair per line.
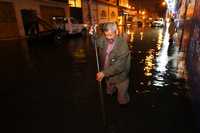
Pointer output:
75, 3
103, 14
113, 15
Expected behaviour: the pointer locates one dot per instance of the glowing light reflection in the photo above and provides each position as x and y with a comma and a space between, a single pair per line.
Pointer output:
149, 65
158, 83
160, 39
128, 32
80, 55
132, 37
162, 58
141, 35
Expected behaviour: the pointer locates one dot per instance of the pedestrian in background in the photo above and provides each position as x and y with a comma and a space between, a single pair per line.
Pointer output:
34, 25
172, 29
115, 62
69, 25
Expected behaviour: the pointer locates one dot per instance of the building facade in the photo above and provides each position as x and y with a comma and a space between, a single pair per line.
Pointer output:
193, 59
107, 11
15, 15
100, 11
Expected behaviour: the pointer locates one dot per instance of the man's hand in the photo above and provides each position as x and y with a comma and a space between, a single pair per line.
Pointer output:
92, 29
99, 76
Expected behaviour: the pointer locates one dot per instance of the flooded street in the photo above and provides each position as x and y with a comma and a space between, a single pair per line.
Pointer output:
52, 88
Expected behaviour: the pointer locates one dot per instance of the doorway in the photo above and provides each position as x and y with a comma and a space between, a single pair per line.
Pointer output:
31, 25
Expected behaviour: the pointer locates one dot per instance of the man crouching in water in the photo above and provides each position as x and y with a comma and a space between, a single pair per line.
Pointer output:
115, 62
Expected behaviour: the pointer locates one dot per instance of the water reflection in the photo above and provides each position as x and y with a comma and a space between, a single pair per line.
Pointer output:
149, 65
77, 50
162, 59
160, 39
80, 55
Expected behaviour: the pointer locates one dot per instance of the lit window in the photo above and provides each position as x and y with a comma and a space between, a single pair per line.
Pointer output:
75, 3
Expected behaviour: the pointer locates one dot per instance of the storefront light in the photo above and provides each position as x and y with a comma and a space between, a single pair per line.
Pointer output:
171, 5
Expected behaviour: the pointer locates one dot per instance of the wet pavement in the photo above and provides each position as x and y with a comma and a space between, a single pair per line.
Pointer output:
48, 87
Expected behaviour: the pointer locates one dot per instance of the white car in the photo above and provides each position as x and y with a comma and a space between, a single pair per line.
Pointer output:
72, 26
69, 24
158, 22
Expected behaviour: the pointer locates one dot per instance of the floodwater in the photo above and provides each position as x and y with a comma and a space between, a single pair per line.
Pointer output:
50, 87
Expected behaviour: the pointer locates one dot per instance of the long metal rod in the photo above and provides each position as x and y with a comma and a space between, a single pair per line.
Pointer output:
98, 66
100, 85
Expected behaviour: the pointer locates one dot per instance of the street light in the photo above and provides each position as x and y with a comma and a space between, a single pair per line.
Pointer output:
163, 8
163, 3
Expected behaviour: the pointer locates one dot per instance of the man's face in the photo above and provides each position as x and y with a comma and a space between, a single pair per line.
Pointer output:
110, 35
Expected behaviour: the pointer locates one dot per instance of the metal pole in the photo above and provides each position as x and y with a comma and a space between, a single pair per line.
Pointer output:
98, 66
100, 85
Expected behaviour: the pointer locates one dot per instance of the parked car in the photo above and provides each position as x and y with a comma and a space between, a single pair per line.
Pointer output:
159, 22
70, 25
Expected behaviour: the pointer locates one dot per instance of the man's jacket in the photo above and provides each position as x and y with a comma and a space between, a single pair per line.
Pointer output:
118, 60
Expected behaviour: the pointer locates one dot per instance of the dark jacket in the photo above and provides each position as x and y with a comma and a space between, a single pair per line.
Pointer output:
119, 60
172, 29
